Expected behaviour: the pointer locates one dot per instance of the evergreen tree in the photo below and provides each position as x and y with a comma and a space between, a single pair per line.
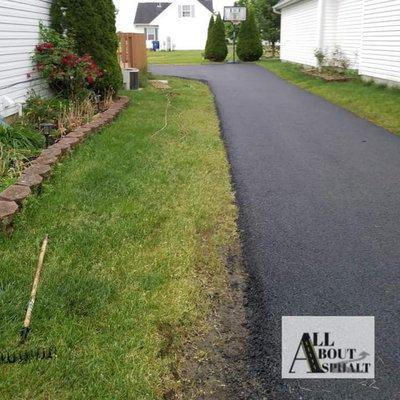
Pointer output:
92, 25
209, 34
249, 46
217, 49
268, 21
229, 28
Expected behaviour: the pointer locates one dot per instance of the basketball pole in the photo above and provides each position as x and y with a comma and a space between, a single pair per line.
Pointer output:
234, 43
234, 15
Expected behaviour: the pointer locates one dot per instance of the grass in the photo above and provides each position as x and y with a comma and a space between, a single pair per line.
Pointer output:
18, 143
136, 222
180, 57
377, 103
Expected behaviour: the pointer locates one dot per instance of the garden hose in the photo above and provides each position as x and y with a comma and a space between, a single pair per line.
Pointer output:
167, 105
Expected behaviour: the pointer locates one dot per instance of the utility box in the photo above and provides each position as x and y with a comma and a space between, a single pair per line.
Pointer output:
131, 78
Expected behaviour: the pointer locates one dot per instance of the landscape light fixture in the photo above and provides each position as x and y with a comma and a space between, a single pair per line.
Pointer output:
64, 20
97, 99
46, 128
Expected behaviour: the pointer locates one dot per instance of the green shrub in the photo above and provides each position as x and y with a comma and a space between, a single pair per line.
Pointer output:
18, 144
92, 25
38, 110
217, 50
56, 38
209, 34
66, 73
249, 46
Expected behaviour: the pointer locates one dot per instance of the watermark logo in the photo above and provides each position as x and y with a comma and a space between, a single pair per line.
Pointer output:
328, 347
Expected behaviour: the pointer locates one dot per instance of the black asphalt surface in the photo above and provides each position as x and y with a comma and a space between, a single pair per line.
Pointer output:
319, 197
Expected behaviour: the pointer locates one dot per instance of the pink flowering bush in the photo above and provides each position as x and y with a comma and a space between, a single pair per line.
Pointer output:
67, 73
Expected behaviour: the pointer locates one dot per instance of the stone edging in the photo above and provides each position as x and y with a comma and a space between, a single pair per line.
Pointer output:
11, 199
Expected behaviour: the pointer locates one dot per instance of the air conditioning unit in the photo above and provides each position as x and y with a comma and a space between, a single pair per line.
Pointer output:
131, 78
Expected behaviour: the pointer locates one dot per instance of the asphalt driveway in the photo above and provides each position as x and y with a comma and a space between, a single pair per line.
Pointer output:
319, 197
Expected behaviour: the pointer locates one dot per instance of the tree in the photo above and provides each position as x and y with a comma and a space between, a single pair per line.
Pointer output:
249, 46
209, 34
217, 50
268, 21
229, 28
91, 23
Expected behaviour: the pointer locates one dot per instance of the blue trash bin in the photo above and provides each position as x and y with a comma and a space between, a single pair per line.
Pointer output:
156, 45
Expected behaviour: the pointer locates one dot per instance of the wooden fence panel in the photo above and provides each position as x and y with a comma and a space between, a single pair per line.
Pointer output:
132, 50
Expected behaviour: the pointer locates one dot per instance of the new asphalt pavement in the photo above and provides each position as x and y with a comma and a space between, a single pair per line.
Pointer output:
318, 190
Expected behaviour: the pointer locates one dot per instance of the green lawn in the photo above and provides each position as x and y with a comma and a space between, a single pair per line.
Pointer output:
378, 104
180, 57
137, 222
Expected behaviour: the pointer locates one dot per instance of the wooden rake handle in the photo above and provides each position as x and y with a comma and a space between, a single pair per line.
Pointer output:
25, 330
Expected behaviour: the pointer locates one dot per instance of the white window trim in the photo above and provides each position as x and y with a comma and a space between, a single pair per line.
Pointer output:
186, 11
153, 33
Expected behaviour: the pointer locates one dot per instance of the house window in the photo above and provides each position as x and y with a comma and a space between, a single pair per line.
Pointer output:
187, 11
151, 33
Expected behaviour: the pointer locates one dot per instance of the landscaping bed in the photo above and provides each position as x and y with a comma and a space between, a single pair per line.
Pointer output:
32, 176
327, 75
140, 225
79, 90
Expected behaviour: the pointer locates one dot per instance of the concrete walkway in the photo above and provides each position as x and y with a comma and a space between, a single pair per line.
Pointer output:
319, 196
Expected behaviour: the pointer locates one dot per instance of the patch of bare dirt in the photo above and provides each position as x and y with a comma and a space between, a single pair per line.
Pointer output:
217, 366
327, 75
160, 84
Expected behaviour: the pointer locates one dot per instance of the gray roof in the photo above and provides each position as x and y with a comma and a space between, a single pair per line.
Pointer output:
147, 12
207, 4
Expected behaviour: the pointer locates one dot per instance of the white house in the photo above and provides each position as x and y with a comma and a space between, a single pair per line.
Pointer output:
177, 25
19, 22
366, 31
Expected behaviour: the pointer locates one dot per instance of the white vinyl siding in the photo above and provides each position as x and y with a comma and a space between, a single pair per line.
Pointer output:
299, 32
329, 24
366, 31
19, 27
380, 56
349, 27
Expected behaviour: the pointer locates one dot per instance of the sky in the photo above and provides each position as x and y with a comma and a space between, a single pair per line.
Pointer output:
127, 10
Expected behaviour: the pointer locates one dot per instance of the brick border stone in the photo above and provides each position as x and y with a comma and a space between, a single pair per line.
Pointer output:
33, 181
12, 198
17, 193
7, 211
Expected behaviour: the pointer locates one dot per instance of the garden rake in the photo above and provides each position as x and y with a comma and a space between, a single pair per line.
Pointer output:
21, 356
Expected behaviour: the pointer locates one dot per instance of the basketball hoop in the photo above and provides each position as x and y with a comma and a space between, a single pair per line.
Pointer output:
235, 15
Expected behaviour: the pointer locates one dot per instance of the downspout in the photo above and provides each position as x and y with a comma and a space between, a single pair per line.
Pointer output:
360, 54
321, 24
